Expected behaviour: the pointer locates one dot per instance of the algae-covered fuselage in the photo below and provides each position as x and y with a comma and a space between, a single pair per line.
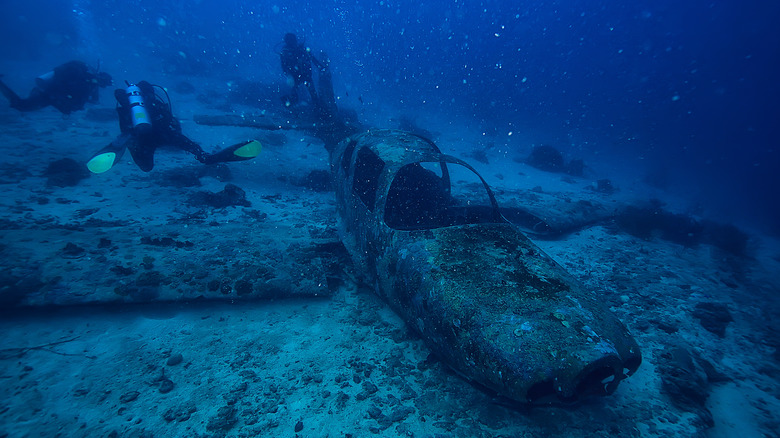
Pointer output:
483, 297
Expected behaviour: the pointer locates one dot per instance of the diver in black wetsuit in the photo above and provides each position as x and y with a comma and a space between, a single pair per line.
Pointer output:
68, 87
147, 122
296, 62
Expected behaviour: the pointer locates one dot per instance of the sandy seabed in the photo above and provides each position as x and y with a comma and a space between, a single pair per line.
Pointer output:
195, 359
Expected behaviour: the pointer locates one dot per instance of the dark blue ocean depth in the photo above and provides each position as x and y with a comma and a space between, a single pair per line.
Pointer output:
684, 93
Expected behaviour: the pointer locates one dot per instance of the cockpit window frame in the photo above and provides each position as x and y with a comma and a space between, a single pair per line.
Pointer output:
491, 213
366, 173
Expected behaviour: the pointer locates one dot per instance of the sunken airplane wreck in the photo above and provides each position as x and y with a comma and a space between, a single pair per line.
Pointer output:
483, 297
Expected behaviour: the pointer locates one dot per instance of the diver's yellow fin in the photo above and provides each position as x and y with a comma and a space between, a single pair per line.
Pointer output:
250, 149
102, 162
245, 150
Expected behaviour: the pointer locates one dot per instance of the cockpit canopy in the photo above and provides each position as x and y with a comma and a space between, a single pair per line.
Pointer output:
436, 192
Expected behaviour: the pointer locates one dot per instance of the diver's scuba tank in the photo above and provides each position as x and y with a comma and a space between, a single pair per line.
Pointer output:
138, 113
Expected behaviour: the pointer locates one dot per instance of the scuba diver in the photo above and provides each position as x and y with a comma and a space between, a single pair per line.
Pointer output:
68, 87
296, 62
146, 122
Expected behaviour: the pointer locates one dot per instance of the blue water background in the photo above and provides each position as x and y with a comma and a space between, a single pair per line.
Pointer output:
683, 94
